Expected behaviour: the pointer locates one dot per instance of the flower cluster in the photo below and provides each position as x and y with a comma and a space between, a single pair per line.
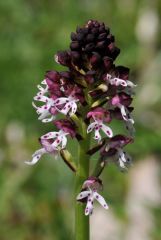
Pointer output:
85, 99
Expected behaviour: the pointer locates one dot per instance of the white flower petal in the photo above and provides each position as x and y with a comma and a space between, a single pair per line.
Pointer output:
83, 194
44, 82
36, 156
123, 112
122, 155
57, 142
41, 98
97, 135
89, 206
130, 84
126, 114
107, 130
122, 165
43, 115
100, 199
118, 81
45, 120
40, 87
108, 76
91, 127
66, 108
34, 105
50, 135
64, 141
61, 100
74, 107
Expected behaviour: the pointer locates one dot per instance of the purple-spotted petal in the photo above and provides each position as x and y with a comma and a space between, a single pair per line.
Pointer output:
117, 82
97, 135
41, 98
61, 100
50, 135
91, 127
100, 199
46, 120
83, 194
89, 206
36, 156
107, 130
74, 108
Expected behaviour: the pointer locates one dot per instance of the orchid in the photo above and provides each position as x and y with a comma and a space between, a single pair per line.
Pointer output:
89, 194
83, 101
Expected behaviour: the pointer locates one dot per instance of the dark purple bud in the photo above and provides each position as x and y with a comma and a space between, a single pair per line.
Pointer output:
108, 62
95, 30
114, 51
89, 77
63, 58
90, 37
89, 47
101, 44
95, 60
108, 153
102, 36
76, 58
99, 113
73, 36
80, 36
119, 141
75, 45
66, 125
125, 99
121, 98
53, 76
111, 47
111, 38
79, 29
122, 72
65, 74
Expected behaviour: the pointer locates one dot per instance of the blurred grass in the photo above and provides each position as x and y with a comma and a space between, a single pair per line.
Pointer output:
36, 203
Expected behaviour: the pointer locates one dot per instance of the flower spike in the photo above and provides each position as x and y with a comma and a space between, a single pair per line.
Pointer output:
84, 100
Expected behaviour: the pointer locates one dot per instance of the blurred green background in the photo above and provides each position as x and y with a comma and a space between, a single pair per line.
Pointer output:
37, 202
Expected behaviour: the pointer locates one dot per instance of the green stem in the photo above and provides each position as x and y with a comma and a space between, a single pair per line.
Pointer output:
82, 221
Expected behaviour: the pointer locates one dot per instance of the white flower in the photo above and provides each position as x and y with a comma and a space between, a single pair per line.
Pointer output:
60, 139
117, 81
44, 111
91, 195
47, 148
98, 125
69, 103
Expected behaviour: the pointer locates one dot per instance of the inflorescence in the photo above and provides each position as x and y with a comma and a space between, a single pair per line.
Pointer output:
85, 99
